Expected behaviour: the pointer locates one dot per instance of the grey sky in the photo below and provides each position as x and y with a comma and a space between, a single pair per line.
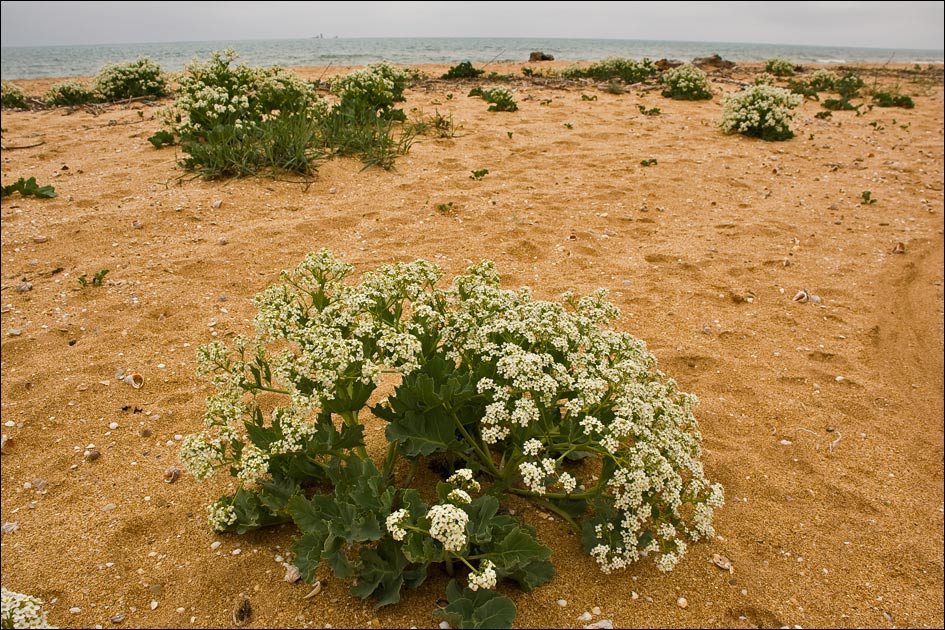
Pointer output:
867, 24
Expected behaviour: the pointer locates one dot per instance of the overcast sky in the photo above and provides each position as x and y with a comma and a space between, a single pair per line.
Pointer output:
867, 24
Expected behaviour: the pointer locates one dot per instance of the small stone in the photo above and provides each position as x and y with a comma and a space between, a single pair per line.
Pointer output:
75, 610
24, 286
292, 574
634, 595
216, 203
595, 611
682, 602
332, 190
444, 625
14, 332
112, 425
172, 474
562, 602
215, 545
92, 455
137, 224
236, 552
181, 610
222, 240
722, 562
40, 239
9, 424
118, 618
9, 528
602, 624
108, 507
154, 604
785, 442
145, 433
585, 616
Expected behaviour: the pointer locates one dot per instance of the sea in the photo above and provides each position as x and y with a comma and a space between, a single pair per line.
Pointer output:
69, 61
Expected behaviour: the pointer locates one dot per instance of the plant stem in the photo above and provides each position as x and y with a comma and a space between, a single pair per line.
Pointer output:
390, 459
263, 388
554, 508
449, 565
483, 454
588, 494
350, 418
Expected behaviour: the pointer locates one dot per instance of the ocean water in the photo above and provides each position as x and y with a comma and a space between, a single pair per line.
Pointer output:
67, 61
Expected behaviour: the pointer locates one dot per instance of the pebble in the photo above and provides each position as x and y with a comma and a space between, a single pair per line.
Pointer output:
9, 528
603, 623
292, 574
14, 332
92, 455
215, 545
585, 616
75, 609
634, 595
24, 286
154, 604
444, 625
172, 474
236, 552
595, 610
216, 203
40, 239
118, 618
682, 602
181, 610
562, 602
9, 424
112, 425
108, 507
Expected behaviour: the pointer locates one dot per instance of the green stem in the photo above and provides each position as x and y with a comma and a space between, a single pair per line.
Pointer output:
554, 508
587, 494
390, 459
449, 565
483, 454
263, 388
414, 464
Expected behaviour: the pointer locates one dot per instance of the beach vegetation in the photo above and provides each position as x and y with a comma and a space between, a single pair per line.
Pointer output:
849, 85
463, 70
12, 96
97, 279
824, 115
133, 79
500, 99
479, 173
29, 188
765, 78
627, 70
649, 162
761, 111
823, 80
803, 88
615, 87
893, 99
780, 67
868, 198
70, 94
840, 104
490, 394
648, 111
686, 83
588, 97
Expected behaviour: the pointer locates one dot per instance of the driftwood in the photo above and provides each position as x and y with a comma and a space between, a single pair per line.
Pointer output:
21, 146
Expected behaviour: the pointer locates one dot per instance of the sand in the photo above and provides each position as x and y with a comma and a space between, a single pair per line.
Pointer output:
822, 421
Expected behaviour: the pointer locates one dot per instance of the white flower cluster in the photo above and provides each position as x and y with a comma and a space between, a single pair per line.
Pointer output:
220, 515
142, 77
459, 497
765, 79
12, 96
69, 93
378, 85
448, 525
485, 577
686, 82
762, 111
395, 524
462, 479
254, 464
198, 456
823, 79
780, 67
21, 611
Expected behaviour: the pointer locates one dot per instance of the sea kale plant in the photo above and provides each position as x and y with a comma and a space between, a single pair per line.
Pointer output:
761, 111
70, 94
488, 395
686, 83
780, 67
500, 99
21, 611
610, 68
133, 79
12, 96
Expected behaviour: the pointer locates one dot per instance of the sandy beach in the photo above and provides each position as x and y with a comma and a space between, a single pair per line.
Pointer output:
823, 421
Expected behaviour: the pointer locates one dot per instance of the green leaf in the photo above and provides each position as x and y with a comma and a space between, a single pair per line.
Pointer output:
481, 513
381, 573
532, 575
308, 554
476, 609
252, 513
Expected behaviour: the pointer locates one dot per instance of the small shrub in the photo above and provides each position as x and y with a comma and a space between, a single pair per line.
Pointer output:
848, 86
627, 70
780, 67
479, 173
840, 104
132, 79
823, 80
69, 94
868, 198
889, 99
465, 70
509, 396
615, 87
11, 96
762, 111
96, 280
652, 111
802, 88
686, 83
823, 115
649, 162
765, 78
29, 188
500, 98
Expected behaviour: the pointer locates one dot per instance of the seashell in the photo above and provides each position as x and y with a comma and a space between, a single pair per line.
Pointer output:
801, 296
722, 562
172, 474
92, 455
815, 299
292, 574
315, 591
135, 380
24, 286
900, 248
216, 203
242, 612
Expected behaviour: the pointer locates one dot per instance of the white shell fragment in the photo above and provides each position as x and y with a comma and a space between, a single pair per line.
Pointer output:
135, 380
292, 574
722, 562
801, 296
315, 591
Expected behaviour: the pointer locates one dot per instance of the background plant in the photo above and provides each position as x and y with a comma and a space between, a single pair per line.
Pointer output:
686, 83
761, 111
465, 70
12, 96
627, 70
29, 188
70, 94
133, 79
500, 99
780, 67
823, 80
503, 394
